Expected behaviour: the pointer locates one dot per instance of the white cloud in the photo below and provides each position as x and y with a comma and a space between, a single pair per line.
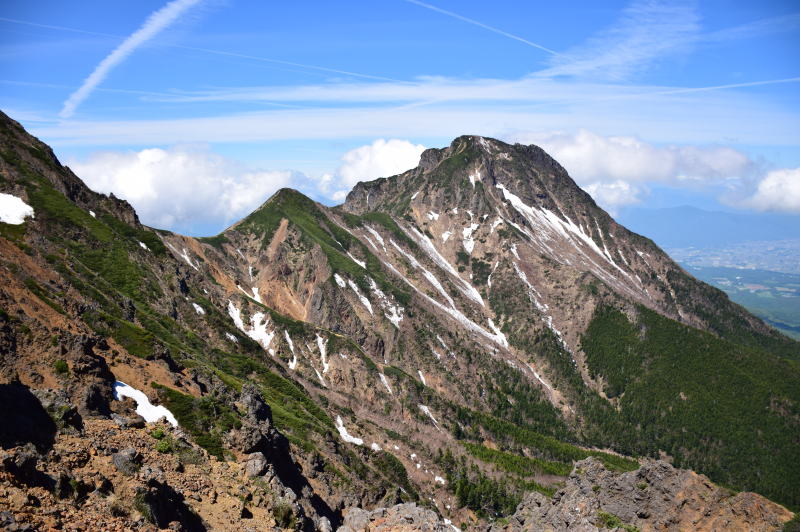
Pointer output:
188, 188
181, 187
614, 194
590, 157
778, 191
155, 23
382, 158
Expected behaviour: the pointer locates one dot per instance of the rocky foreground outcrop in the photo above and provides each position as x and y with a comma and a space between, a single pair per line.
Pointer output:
657, 496
399, 518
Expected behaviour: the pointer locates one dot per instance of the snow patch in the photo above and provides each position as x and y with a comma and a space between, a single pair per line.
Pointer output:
474, 177
539, 378
184, 255
468, 241
231, 337
254, 296
489, 279
393, 312
494, 225
375, 447
361, 297
415, 194
143, 246
258, 325
377, 236
433, 215
446, 235
198, 309
428, 275
344, 434
466, 288
500, 338
359, 262
385, 382
13, 210
451, 311
144, 407
422, 377
92, 214
548, 224
425, 410
439, 480
338, 278
322, 344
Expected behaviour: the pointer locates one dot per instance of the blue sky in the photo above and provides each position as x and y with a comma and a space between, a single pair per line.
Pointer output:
199, 109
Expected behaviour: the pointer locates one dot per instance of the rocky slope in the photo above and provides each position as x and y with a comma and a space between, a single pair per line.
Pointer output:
655, 497
314, 360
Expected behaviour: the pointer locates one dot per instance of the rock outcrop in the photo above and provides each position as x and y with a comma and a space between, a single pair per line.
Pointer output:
406, 517
657, 496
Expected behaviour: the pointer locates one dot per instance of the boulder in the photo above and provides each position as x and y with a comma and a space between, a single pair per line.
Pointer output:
127, 461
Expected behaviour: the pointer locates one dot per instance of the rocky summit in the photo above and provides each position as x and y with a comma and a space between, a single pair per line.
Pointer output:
473, 344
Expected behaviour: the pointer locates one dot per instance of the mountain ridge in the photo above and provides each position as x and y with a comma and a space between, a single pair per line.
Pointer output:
368, 323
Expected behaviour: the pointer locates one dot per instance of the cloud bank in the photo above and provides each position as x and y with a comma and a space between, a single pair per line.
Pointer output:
615, 170
155, 23
779, 191
188, 188
182, 187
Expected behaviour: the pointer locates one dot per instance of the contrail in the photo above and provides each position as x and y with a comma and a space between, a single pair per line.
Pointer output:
209, 51
481, 25
154, 24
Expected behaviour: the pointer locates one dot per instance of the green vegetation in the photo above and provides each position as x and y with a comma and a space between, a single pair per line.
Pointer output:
725, 409
206, 418
382, 219
727, 319
545, 447
164, 446
317, 228
61, 368
514, 463
611, 521
215, 241
474, 490
615, 358
480, 271
394, 471
793, 525
136, 340
13, 232
283, 514
34, 287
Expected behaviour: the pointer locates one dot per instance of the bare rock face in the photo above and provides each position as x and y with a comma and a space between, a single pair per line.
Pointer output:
655, 497
400, 518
